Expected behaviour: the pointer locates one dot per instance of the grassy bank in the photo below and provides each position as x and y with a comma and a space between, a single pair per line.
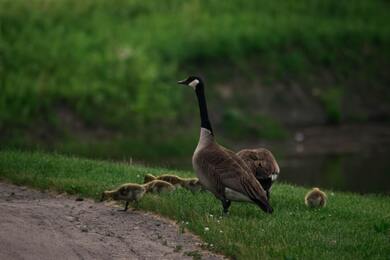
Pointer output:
350, 227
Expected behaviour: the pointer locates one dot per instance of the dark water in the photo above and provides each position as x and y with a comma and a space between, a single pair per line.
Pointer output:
347, 158
357, 173
354, 172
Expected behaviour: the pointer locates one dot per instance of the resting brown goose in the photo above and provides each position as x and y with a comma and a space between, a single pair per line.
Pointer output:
263, 166
218, 168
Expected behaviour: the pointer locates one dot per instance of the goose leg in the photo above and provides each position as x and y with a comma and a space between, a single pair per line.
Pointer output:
226, 204
126, 207
102, 197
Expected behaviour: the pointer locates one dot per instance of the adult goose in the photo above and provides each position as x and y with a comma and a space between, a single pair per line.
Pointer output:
263, 166
218, 168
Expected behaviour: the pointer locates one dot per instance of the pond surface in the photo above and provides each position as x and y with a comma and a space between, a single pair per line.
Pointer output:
346, 158
354, 172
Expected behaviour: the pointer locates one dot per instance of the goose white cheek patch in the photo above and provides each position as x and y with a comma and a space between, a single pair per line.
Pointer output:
193, 83
274, 177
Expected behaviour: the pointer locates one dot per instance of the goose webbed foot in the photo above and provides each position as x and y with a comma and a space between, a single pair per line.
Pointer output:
126, 207
226, 204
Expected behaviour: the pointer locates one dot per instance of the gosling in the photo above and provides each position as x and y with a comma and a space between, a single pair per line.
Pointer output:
132, 192
191, 184
315, 198
158, 186
129, 192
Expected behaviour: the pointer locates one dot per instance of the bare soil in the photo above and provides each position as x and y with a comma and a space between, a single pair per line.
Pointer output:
43, 225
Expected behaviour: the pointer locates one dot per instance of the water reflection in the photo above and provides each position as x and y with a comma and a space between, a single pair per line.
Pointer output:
345, 158
356, 173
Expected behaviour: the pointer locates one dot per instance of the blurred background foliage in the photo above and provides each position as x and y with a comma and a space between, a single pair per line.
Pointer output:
98, 77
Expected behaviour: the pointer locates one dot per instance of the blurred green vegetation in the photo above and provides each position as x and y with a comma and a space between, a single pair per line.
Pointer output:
332, 99
113, 64
236, 125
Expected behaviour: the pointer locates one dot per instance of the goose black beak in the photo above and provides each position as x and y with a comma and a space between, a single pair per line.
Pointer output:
183, 82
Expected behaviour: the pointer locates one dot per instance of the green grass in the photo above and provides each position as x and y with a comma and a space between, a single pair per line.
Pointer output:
350, 227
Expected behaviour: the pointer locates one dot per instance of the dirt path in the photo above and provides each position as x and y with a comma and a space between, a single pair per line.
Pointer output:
37, 225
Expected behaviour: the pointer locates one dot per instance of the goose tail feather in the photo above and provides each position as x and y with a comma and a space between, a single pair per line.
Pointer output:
257, 197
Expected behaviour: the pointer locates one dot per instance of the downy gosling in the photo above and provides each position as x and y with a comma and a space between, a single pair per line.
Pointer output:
316, 198
191, 184
132, 192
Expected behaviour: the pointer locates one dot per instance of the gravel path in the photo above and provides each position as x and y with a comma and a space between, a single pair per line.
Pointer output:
40, 225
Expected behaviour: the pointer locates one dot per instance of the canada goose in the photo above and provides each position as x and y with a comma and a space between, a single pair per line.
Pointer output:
191, 184
263, 166
219, 168
315, 198
128, 192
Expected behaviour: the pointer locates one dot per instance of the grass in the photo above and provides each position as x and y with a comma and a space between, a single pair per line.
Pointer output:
350, 227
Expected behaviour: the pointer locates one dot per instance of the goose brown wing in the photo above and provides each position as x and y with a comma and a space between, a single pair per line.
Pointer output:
225, 168
219, 163
236, 158
261, 162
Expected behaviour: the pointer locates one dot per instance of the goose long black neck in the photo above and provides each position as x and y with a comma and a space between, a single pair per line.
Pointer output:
204, 116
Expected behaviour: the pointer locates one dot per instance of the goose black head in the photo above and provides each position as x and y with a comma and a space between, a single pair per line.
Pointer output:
191, 81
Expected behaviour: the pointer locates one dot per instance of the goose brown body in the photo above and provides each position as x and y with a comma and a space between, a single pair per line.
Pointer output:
262, 165
219, 169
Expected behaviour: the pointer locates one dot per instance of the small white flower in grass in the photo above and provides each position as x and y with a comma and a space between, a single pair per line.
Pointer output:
220, 231
211, 215
206, 229
211, 245
187, 223
138, 176
218, 221
332, 194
